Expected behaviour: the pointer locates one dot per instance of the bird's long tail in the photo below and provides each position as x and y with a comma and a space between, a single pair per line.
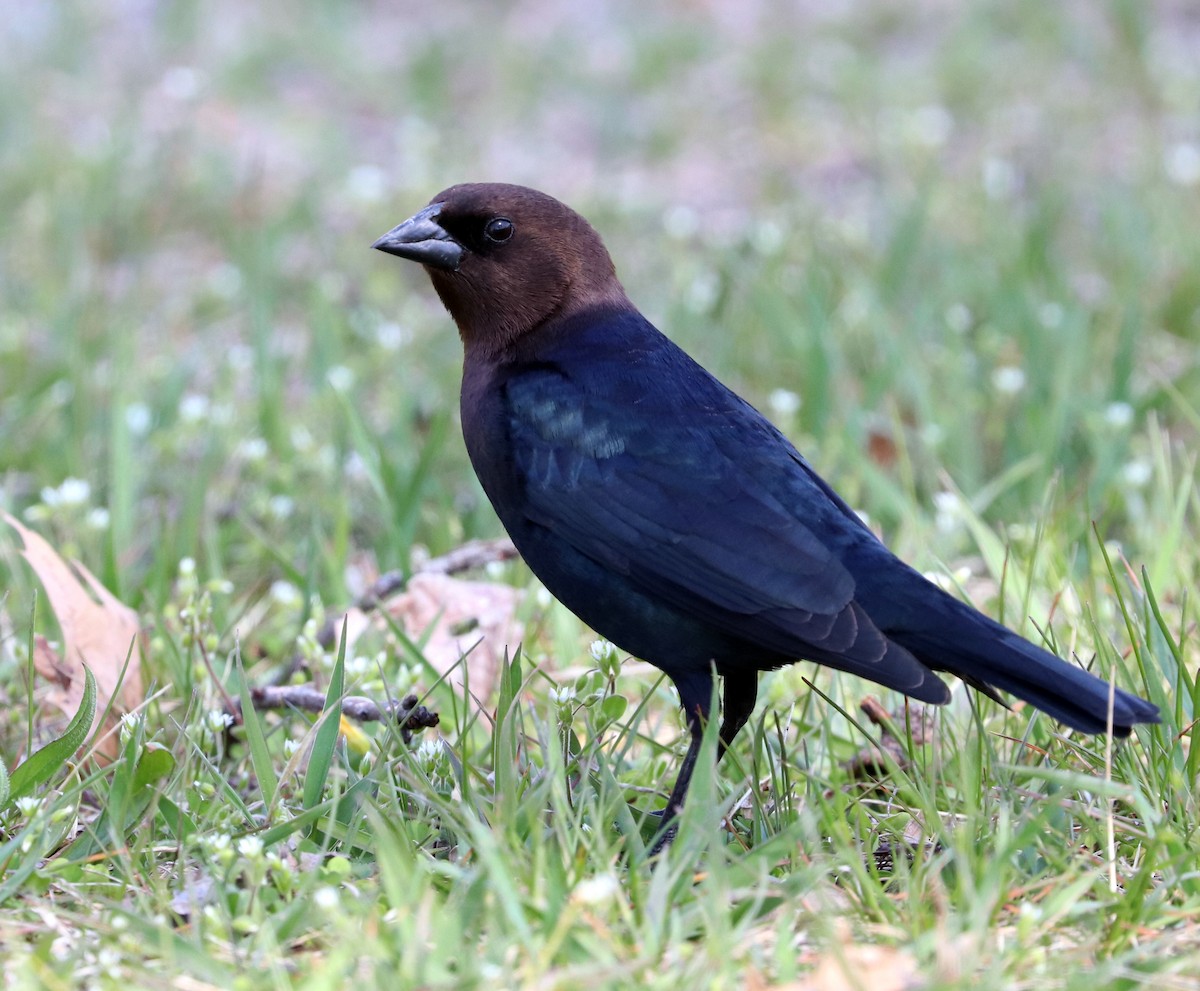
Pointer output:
989, 656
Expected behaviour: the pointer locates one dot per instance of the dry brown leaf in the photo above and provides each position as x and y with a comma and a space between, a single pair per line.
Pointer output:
473, 616
98, 630
863, 967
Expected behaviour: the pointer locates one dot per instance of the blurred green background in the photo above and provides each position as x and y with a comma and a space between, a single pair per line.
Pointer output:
960, 238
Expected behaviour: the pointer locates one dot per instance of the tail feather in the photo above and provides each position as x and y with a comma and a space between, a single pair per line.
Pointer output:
985, 654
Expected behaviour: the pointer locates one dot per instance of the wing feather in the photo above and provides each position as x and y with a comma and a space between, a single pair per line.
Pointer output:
656, 498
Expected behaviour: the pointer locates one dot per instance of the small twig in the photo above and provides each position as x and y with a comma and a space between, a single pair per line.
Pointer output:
409, 717
471, 555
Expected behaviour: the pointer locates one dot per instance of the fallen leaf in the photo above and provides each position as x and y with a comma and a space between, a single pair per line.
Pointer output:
468, 618
864, 967
98, 630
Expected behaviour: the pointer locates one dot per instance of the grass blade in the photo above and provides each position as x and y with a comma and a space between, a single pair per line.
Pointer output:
327, 733
41, 766
260, 756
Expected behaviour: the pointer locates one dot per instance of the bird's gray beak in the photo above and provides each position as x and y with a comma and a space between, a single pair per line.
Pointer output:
422, 239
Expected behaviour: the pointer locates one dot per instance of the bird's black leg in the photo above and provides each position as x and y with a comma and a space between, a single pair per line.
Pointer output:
695, 694
741, 691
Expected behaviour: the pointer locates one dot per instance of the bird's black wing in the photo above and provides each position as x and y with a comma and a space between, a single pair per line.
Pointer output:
649, 466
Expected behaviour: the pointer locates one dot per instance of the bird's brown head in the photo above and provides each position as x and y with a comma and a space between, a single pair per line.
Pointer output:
505, 260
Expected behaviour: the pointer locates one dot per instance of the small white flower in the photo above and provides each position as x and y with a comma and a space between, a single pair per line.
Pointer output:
596, 890
948, 510
108, 959
62, 946
217, 721
250, 847
958, 318
767, 237
999, 178
340, 378
1137, 473
600, 650
947, 502
326, 899
940, 579
392, 336
187, 567
252, 449
784, 402
291, 748
138, 419
429, 756
74, 492
285, 593
194, 407
98, 518
354, 468
932, 435
302, 440
131, 722
217, 842
702, 293
281, 506
1118, 415
563, 696
28, 805
1008, 380
1183, 163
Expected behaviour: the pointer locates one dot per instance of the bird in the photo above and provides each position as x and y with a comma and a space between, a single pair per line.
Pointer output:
669, 514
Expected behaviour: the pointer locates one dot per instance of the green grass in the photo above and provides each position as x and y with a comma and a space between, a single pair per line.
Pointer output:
950, 251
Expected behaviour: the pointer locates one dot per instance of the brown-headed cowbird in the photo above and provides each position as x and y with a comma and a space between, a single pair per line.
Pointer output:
665, 511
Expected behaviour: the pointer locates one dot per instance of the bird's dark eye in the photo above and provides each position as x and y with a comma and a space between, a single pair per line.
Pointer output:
498, 230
